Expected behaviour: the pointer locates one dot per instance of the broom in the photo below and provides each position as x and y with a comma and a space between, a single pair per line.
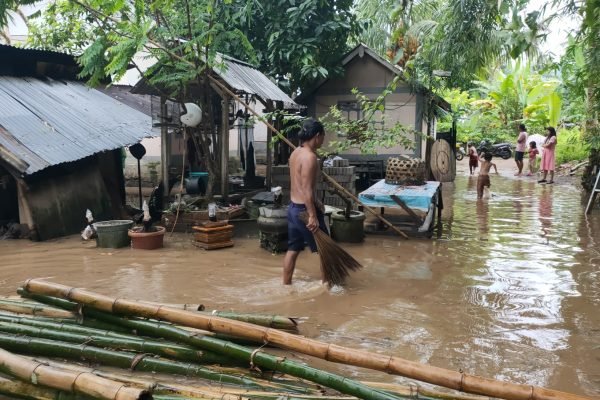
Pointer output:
336, 263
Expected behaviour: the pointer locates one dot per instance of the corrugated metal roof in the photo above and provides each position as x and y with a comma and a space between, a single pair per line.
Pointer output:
239, 76
245, 78
46, 122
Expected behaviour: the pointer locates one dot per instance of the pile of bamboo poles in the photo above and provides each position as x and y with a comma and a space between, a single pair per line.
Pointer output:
224, 355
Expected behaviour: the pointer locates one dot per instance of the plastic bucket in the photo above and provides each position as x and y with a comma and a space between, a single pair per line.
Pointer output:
113, 234
196, 182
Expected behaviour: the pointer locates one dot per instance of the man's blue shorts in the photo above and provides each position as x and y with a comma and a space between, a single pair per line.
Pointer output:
519, 155
298, 233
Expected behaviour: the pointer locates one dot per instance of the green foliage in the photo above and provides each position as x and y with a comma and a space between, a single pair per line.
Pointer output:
370, 132
297, 41
570, 146
6, 6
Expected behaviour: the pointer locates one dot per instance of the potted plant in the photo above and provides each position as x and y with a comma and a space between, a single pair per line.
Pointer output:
146, 236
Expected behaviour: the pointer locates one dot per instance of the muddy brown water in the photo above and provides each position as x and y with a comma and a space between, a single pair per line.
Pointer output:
509, 289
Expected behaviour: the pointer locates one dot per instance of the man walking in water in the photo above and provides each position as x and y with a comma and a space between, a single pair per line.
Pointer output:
304, 170
520, 149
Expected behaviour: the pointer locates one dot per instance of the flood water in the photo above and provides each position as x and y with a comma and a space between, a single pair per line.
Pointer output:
509, 289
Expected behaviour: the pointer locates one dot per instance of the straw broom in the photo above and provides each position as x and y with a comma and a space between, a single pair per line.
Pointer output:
336, 263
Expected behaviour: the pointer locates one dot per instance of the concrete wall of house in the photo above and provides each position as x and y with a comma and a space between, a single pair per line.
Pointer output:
59, 196
370, 78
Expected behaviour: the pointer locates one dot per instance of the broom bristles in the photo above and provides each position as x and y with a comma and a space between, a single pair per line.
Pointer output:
336, 263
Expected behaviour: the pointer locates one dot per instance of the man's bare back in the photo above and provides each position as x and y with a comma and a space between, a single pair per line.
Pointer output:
303, 175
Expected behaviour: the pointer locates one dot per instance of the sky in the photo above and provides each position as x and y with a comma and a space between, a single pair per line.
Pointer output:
558, 29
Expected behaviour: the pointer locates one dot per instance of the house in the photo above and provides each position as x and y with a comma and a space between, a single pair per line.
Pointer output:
370, 74
243, 80
60, 144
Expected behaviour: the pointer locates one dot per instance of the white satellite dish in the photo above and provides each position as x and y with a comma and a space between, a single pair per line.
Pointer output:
193, 116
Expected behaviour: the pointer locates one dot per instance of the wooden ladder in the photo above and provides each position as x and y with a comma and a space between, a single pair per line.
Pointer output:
595, 191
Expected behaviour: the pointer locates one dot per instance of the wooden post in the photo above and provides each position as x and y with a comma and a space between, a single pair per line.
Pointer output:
224, 146
269, 178
165, 149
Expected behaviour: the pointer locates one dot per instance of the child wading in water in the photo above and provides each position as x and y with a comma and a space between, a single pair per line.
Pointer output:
533, 152
483, 179
473, 158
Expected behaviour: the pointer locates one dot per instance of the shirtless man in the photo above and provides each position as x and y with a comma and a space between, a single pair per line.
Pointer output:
483, 179
304, 170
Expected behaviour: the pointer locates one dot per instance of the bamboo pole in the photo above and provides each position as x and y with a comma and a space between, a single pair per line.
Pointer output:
23, 390
331, 352
121, 359
66, 322
271, 321
72, 328
84, 383
207, 392
22, 307
231, 393
168, 350
253, 357
332, 181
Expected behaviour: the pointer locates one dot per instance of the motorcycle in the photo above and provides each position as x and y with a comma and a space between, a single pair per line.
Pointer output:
502, 150
460, 153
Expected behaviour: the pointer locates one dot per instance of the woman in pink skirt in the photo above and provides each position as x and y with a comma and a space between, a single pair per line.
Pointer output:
548, 155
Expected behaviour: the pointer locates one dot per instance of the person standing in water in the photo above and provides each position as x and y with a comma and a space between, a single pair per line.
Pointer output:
520, 149
548, 157
304, 170
483, 179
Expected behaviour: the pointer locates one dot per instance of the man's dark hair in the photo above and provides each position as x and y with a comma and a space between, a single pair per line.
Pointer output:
522, 128
311, 128
488, 156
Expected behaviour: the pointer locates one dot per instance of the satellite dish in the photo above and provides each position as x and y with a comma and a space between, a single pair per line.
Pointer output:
193, 116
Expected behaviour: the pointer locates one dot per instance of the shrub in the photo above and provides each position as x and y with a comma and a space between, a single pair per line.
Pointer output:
570, 146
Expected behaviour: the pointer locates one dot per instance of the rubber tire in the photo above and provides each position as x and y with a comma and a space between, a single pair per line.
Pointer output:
506, 155
459, 156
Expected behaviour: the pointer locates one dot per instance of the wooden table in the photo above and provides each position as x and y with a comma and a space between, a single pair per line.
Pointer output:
419, 204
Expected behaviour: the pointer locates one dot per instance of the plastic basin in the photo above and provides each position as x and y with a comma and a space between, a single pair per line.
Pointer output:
113, 234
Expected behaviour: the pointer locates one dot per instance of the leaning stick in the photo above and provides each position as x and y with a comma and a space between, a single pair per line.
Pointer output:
330, 352
332, 181
84, 383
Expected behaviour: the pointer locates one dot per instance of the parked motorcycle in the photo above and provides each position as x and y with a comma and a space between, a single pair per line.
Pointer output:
503, 150
460, 153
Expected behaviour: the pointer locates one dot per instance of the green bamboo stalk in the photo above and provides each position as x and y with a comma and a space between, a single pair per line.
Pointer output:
8, 317
53, 301
270, 321
71, 306
121, 359
259, 358
34, 309
66, 322
132, 343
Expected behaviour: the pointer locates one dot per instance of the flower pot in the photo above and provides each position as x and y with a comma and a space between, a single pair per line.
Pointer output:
349, 230
147, 240
112, 234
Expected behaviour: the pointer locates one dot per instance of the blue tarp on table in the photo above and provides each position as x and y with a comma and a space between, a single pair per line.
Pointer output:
415, 197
